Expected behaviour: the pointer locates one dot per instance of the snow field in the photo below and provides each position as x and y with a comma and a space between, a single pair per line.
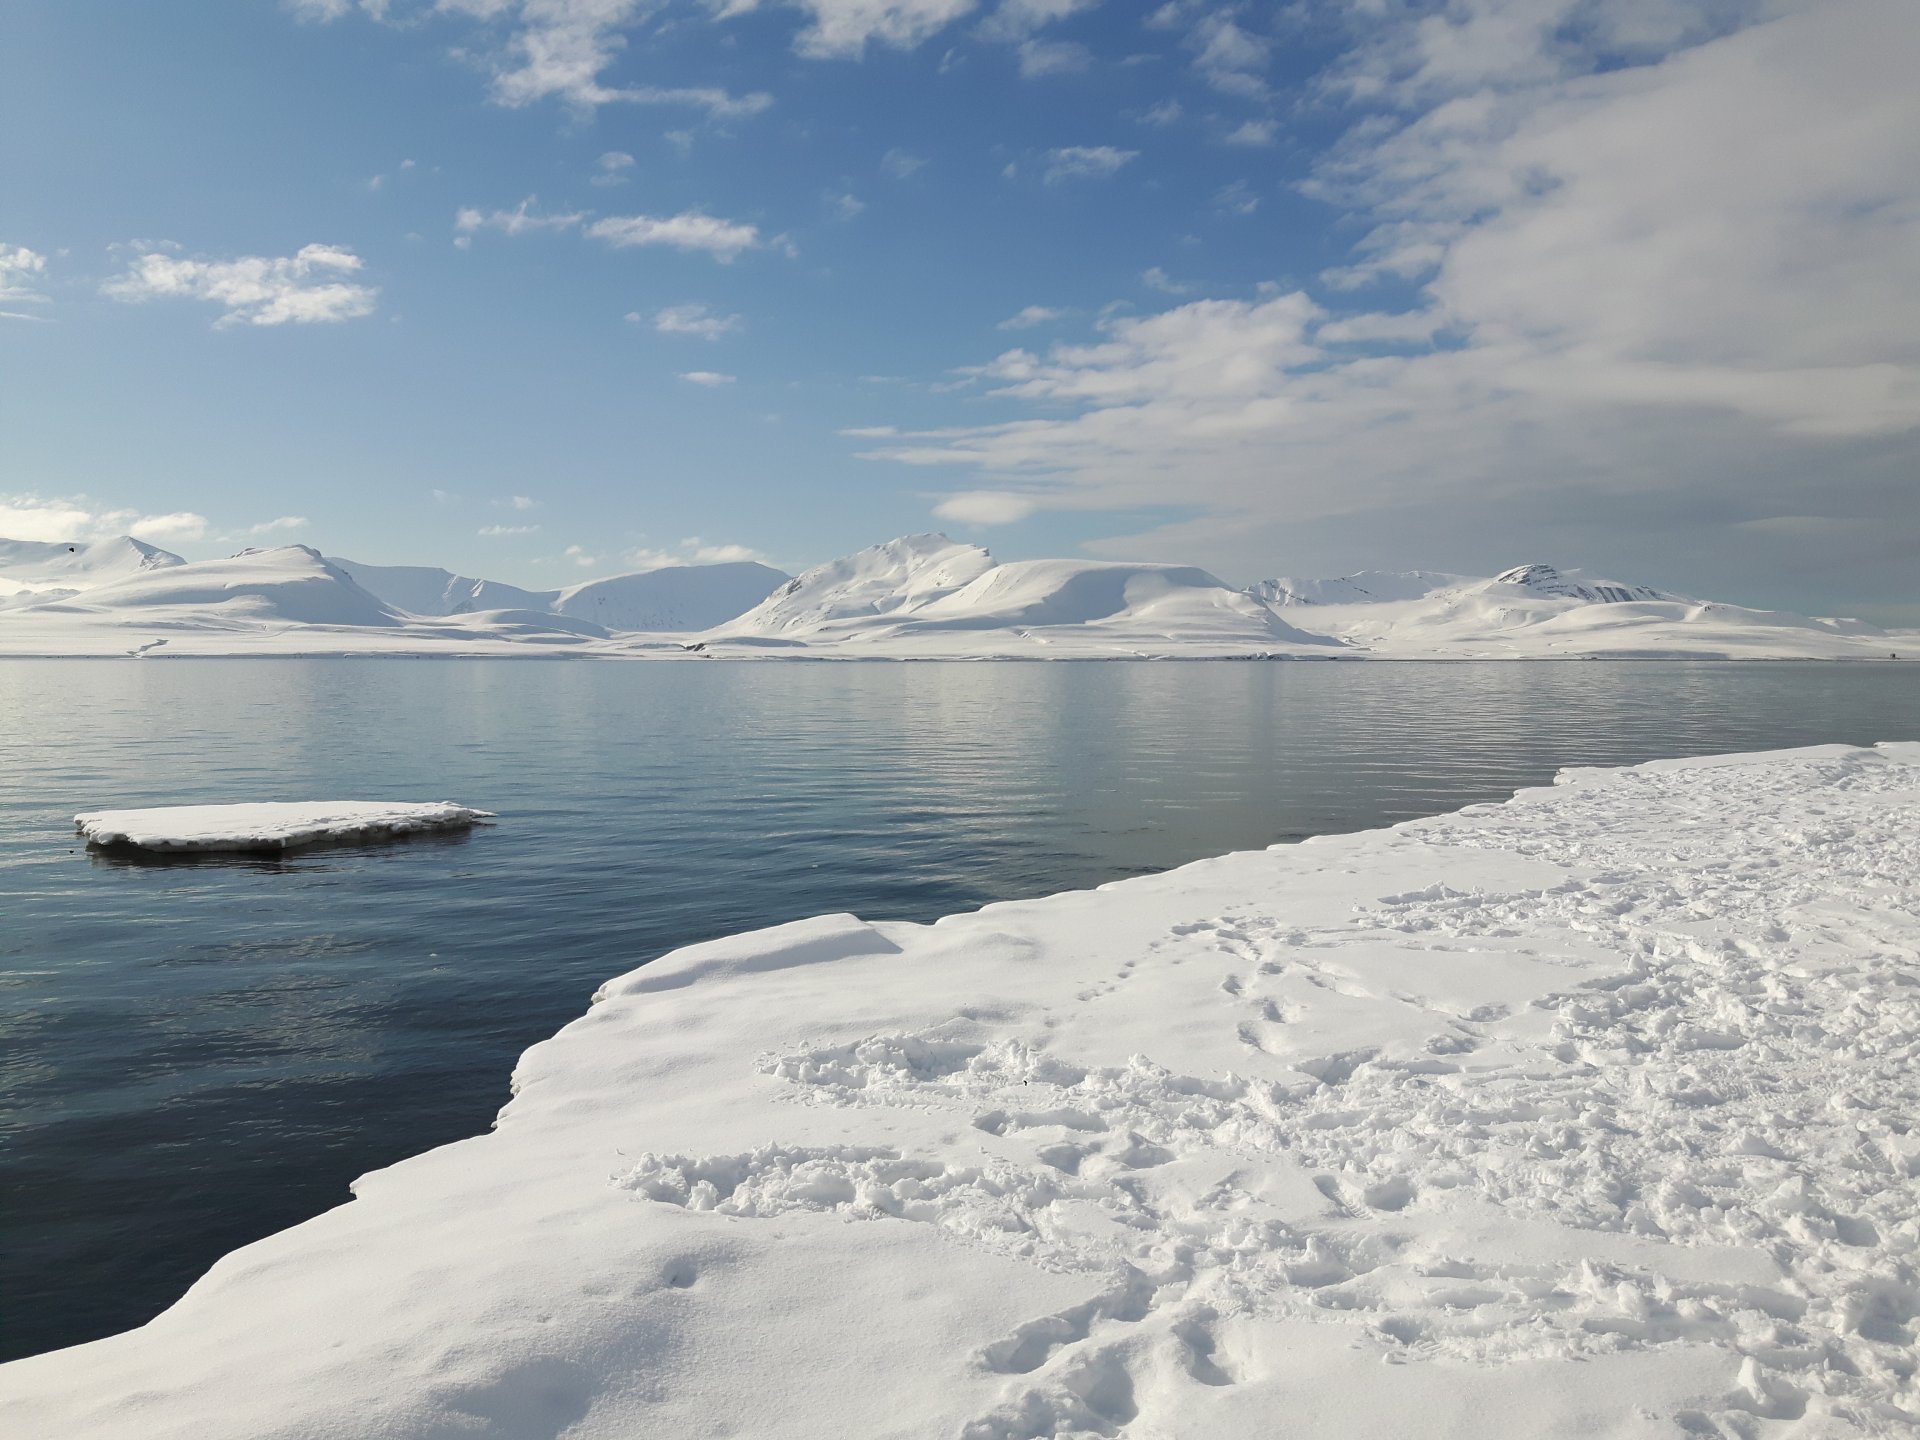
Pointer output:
1590, 1113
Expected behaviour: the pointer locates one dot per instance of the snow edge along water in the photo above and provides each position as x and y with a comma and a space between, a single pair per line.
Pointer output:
1553, 1109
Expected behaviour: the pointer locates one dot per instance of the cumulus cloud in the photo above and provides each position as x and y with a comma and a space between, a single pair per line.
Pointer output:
1662, 267
280, 526
711, 379
579, 556
695, 319
1084, 162
77, 518
307, 287
21, 273
691, 230
495, 532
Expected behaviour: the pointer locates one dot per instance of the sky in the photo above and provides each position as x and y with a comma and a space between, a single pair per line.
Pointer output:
546, 289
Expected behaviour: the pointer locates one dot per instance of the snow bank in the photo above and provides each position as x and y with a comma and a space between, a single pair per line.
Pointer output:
1586, 1114
270, 825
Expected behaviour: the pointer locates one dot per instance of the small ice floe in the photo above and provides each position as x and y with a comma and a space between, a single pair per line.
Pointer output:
272, 825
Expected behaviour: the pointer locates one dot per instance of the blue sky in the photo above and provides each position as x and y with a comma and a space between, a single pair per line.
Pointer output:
541, 289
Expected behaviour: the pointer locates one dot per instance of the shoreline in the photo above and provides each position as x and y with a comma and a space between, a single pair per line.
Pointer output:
1258, 1130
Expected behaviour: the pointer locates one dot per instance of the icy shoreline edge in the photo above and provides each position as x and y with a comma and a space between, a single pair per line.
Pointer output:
1584, 1076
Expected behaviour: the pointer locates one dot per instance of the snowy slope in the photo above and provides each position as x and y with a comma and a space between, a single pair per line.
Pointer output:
289, 584
288, 601
429, 590
674, 598
1364, 587
1538, 611
1588, 1114
896, 578
32, 571
925, 596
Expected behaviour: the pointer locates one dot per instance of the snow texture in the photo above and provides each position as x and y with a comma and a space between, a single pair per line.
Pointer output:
921, 597
1592, 1113
271, 825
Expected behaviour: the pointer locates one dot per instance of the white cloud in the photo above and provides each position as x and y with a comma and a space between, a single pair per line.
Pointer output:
521, 502
579, 556
495, 532
1154, 278
174, 527
304, 288
76, 518
844, 28
280, 526
1691, 282
712, 379
523, 219
845, 205
695, 319
691, 551
1031, 316
985, 507
722, 239
1085, 162
612, 168
21, 273
1229, 57
1167, 112
1053, 57
898, 164
1254, 134
1237, 199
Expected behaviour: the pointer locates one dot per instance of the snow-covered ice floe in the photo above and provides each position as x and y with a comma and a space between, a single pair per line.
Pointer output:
1593, 1113
272, 825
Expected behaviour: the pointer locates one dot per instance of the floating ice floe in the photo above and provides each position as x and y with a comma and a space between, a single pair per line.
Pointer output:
1592, 1114
272, 825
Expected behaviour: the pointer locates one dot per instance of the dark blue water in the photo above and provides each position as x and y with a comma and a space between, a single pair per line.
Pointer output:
195, 1054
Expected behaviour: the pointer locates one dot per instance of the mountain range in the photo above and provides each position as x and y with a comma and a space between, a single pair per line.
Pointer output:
916, 597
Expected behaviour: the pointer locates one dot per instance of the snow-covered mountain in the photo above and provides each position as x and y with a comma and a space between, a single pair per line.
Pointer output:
677, 598
1364, 587
289, 584
32, 571
897, 578
926, 596
429, 590
1538, 611
917, 597
673, 598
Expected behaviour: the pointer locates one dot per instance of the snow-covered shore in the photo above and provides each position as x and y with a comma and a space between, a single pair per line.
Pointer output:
1592, 1113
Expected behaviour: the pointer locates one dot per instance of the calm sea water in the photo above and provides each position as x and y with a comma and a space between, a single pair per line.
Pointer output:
195, 1054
